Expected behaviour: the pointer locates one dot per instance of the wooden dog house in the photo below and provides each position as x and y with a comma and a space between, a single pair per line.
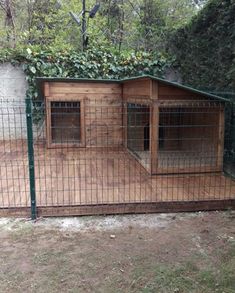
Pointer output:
167, 127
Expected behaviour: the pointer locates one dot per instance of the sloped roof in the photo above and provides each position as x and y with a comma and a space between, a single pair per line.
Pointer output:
41, 80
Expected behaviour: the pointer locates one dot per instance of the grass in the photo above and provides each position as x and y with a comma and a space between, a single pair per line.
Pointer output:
188, 277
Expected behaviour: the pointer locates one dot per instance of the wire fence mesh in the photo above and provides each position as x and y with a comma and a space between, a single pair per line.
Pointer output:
94, 152
14, 176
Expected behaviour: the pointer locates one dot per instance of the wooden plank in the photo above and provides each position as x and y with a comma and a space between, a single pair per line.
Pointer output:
186, 170
67, 98
152, 207
143, 100
91, 96
83, 84
140, 87
84, 88
19, 212
133, 208
188, 104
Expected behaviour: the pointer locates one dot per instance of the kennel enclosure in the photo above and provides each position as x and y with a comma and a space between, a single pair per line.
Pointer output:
115, 146
167, 127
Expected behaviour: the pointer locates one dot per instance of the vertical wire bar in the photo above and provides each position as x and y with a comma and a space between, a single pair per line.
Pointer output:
31, 157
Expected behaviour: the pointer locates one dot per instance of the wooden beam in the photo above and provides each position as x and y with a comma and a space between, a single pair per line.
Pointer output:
188, 103
18, 212
126, 208
137, 99
187, 170
84, 88
46, 89
155, 90
131, 208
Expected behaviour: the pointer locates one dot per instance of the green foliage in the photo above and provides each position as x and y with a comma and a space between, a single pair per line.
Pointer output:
93, 63
159, 18
205, 49
119, 24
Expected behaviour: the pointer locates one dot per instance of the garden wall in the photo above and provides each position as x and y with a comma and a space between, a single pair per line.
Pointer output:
13, 86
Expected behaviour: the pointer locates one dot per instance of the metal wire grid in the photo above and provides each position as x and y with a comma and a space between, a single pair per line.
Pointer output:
114, 164
14, 176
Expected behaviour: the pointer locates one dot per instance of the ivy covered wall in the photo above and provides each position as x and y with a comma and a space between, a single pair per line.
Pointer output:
205, 48
93, 63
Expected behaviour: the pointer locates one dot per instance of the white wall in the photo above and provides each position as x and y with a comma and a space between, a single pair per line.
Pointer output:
13, 88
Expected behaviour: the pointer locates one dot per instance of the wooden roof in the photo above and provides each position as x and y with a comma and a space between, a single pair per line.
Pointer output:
41, 80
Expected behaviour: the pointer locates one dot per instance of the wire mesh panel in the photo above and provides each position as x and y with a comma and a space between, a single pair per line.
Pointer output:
102, 152
113, 163
14, 178
189, 139
138, 132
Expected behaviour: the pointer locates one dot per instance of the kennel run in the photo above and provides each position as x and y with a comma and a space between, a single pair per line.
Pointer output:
141, 144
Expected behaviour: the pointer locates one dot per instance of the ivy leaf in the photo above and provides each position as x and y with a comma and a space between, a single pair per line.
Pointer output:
29, 51
32, 69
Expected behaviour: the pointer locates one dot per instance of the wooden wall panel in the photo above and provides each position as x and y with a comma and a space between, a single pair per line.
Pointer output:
103, 120
137, 88
84, 88
102, 110
170, 92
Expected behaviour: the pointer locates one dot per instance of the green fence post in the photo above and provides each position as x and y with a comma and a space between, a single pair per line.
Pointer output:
29, 121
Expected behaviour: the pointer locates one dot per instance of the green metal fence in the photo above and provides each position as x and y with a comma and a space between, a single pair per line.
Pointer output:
33, 175
29, 120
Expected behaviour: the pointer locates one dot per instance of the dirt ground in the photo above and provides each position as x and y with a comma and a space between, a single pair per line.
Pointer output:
185, 252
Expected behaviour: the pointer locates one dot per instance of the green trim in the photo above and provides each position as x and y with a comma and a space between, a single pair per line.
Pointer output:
40, 80
69, 79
